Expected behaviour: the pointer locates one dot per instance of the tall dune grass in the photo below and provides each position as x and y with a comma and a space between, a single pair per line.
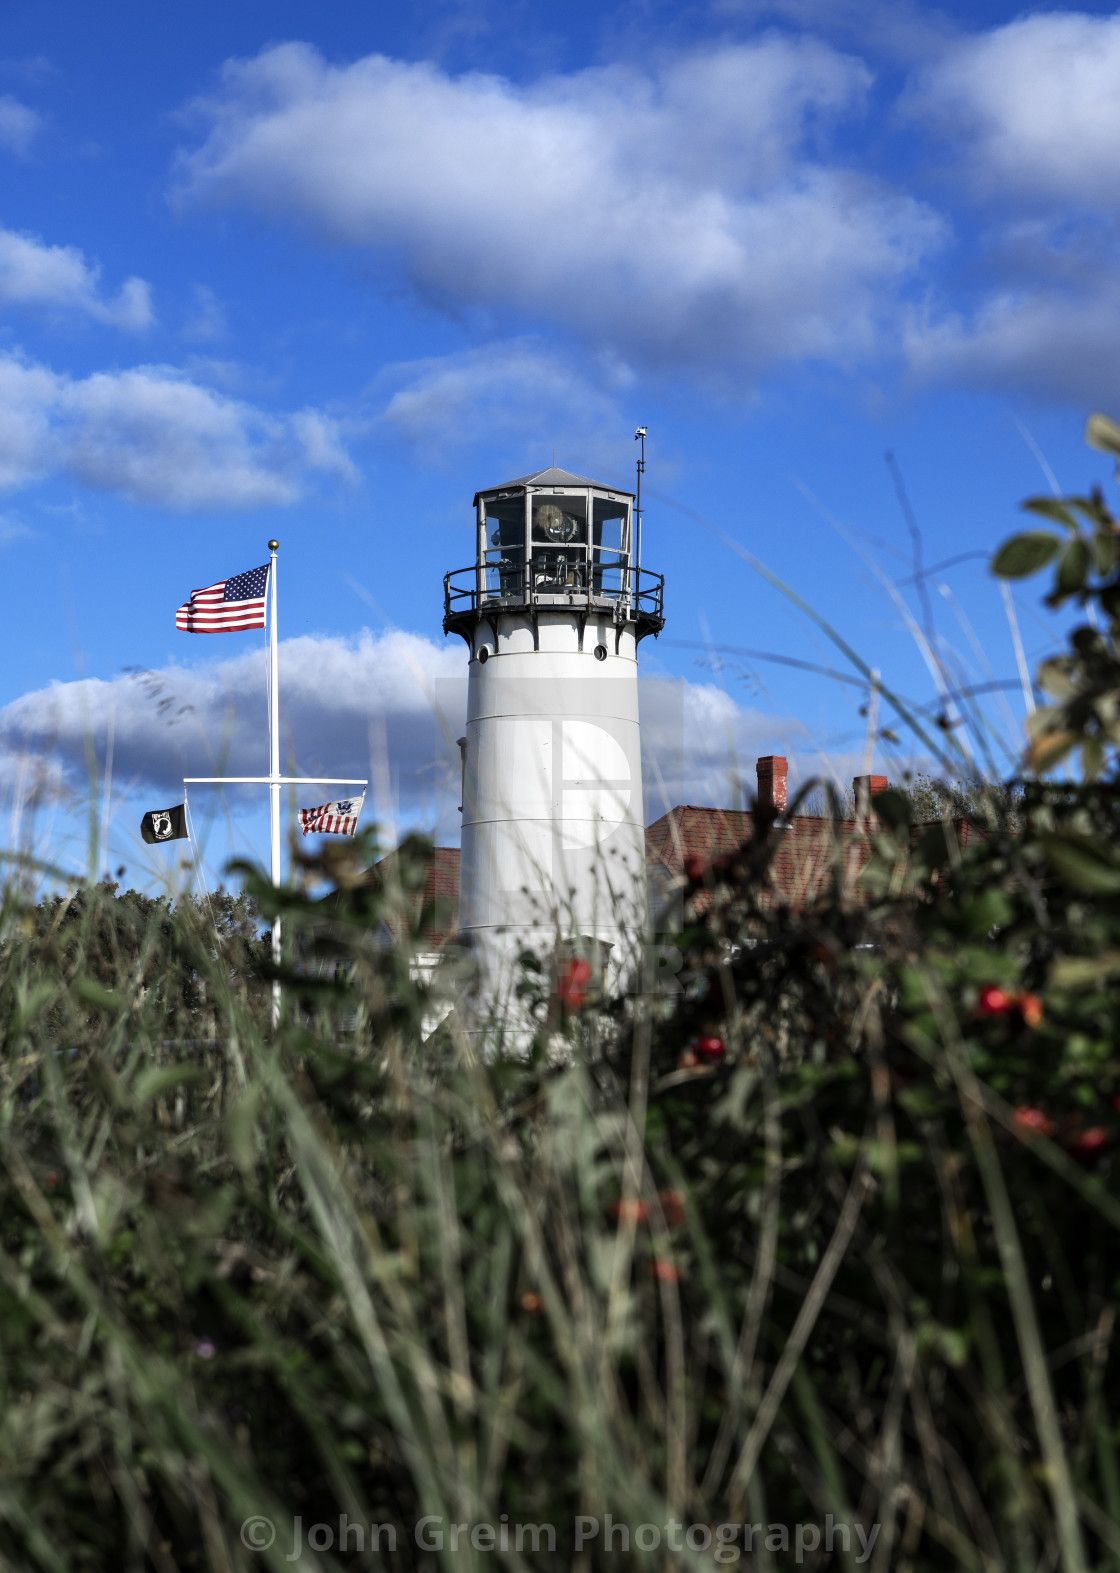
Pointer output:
341, 1269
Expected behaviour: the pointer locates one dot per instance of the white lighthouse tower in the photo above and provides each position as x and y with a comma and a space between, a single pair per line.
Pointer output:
552, 611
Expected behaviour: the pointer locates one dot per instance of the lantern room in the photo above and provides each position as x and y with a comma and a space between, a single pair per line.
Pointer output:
554, 540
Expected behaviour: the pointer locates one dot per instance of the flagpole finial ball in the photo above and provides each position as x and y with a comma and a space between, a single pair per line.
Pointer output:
274, 546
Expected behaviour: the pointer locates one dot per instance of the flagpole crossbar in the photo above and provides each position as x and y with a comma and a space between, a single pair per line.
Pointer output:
275, 781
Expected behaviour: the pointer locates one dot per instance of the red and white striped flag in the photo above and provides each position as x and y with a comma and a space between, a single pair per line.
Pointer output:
228, 606
332, 819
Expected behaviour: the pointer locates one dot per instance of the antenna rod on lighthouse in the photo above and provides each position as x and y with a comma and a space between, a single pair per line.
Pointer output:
274, 762
639, 436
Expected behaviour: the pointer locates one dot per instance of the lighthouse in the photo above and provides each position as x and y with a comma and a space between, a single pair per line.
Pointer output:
552, 611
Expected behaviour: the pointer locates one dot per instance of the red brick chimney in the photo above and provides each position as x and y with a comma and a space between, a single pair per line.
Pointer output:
865, 788
771, 770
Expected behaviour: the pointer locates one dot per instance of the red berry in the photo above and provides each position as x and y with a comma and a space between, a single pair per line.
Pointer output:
571, 984
994, 1002
694, 866
665, 1271
632, 1211
1033, 1121
530, 1302
1090, 1142
1030, 1008
710, 1048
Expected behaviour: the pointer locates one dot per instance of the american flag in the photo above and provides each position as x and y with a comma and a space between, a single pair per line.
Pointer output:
332, 819
228, 606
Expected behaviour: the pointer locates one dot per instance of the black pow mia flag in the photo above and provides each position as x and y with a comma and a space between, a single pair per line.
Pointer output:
165, 824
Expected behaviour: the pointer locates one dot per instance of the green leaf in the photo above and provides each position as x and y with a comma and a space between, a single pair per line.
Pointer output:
1103, 434
1083, 863
1091, 508
241, 1127
893, 808
981, 964
1106, 549
1051, 508
1092, 758
1079, 972
1025, 554
158, 1079
951, 1344
990, 910
1073, 569
30, 1004
97, 995
1049, 747
913, 989
935, 845
922, 1102
1056, 677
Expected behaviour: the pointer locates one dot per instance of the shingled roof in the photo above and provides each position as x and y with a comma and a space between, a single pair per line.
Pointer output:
679, 846
435, 904
691, 838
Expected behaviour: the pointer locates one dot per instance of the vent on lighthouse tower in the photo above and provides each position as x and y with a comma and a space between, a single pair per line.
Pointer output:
552, 611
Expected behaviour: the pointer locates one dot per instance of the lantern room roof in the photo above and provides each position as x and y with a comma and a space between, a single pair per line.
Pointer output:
552, 477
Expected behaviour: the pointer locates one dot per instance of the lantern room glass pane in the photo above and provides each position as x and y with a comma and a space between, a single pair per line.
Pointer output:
559, 544
505, 546
560, 521
609, 543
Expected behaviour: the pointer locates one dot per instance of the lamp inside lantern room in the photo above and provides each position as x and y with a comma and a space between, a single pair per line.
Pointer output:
561, 554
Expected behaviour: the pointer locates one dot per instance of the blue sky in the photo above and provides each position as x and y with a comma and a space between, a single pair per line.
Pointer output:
322, 272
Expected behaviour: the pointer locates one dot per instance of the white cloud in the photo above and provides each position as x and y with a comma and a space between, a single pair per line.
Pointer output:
19, 125
1029, 109
700, 746
13, 530
177, 721
58, 278
154, 436
521, 395
391, 704
1032, 107
903, 31
672, 218
1043, 342
207, 323
320, 444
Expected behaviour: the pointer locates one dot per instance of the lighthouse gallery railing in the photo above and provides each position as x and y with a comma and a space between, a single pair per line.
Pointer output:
635, 594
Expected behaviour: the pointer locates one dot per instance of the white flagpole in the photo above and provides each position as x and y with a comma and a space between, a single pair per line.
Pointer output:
274, 762
274, 780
